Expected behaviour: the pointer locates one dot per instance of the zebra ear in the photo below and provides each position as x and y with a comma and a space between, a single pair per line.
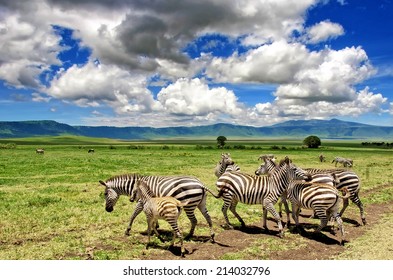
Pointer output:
102, 183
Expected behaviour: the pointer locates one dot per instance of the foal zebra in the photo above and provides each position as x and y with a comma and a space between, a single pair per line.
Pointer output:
322, 198
188, 190
237, 187
225, 164
167, 208
345, 179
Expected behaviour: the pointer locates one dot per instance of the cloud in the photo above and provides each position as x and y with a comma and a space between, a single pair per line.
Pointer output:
323, 31
192, 97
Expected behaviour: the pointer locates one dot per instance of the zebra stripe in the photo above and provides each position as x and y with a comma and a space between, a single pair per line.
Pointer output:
322, 198
345, 179
167, 208
188, 190
237, 187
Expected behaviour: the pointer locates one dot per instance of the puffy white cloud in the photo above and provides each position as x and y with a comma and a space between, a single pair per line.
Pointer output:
194, 98
323, 31
123, 91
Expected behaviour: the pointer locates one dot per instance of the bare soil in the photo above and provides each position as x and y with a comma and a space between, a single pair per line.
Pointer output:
323, 246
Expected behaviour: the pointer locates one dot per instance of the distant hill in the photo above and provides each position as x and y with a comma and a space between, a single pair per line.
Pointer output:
334, 128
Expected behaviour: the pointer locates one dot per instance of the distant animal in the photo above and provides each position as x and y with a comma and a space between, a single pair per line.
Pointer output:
166, 208
322, 158
346, 162
39, 151
267, 156
90, 151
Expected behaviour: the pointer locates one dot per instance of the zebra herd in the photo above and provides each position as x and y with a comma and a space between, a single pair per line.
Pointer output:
316, 189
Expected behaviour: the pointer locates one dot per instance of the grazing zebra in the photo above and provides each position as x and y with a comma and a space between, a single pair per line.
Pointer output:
322, 158
346, 162
322, 198
267, 156
237, 187
225, 164
188, 190
345, 179
167, 208
90, 151
39, 151
321, 178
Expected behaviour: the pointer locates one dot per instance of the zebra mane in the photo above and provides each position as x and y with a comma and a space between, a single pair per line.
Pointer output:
123, 177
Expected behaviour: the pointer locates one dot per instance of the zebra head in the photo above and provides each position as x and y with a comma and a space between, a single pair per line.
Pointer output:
111, 197
226, 159
266, 167
294, 172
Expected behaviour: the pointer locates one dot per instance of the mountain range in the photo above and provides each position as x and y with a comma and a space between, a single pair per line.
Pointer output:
327, 129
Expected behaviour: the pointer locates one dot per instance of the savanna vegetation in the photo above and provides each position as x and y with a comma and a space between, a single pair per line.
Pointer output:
52, 206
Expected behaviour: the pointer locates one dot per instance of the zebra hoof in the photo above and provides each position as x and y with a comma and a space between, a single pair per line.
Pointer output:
127, 233
281, 234
227, 226
364, 221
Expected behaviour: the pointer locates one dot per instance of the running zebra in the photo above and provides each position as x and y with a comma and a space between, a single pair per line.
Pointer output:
237, 187
167, 208
322, 198
225, 164
346, 162
188, 190
345, 179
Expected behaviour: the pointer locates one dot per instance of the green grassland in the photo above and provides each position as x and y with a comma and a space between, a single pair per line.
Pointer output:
52, 206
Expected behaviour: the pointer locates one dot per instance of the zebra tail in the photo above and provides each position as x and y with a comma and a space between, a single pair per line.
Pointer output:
346, 193
213, 194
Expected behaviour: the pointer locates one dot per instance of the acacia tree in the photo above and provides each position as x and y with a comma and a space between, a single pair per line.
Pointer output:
312, 141
221, 141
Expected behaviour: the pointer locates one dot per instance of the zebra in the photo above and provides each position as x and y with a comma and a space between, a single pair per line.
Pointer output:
225, 164
322, 158
322, 178
346, 162
90, 151
267, 156
237, 187
39, 151
345, 179
188, 190
167, 208
322, 198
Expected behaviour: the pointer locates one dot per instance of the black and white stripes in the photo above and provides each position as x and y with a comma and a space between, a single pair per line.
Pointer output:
188, 190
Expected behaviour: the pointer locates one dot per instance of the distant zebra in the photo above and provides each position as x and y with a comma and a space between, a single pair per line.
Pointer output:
345, 179
321, 178
322, 198
267, 156
237, 187
39, 151
225, 164
167, 208
322, 158
90, 151
346, 162
188, 190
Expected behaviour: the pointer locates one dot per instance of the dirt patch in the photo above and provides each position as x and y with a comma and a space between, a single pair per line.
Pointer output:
323, 246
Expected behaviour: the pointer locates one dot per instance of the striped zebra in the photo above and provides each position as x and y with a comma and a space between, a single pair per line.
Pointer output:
322, 198
167, 208
237, 187
40, 151
225, 164
321, 178
345, 179
188, 190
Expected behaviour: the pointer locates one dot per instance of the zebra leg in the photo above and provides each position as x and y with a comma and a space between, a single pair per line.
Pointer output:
224, 209
345, 205
205, 213
138, 209
324, 220
355, 199
233, 210
340, 226
191, 216
295, 215
270, 207
284, 201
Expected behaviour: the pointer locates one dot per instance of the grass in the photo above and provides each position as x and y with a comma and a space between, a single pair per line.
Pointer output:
53, 206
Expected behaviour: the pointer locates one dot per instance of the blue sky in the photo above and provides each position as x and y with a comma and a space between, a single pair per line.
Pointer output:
172, 63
